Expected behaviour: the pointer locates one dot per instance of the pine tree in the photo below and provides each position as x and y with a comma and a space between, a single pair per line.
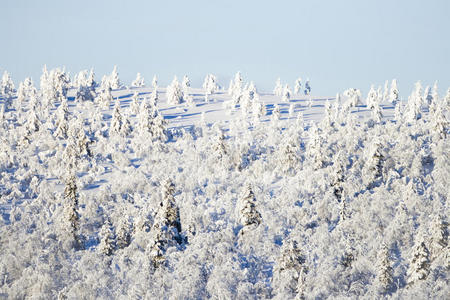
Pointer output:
298, 86
249, 215
7, 89
385, 275
278, 90
439, 235
139, 81
286, 93
117, 120
72, 218
290, 270
114, 81
394, 93
124, 230
108, 239
174, 93
166, 231
307, 87
419, 266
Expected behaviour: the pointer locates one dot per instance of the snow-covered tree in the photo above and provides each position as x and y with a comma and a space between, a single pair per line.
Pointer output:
286, 96
249, 216
394, 93
114, 81
62, 120
155, 82
439, 235
385, 274
210, 84
118, 124
298, 86
107, 243
307, 87
289, 271
166, 231
139, 81
372, 97
7, 89
71, 215
278, 90
174, 92
134, 105
415, 101
86, 86
124, 230
419, 265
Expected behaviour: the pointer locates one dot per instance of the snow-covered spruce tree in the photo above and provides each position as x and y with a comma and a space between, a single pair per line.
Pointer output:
415, 101
377, 112
107, 235
298, 86
134, 105
289, 158
314, 148
353, 98
155, 82
419, 265
385, 276
7, 90
114, 81
276, 113
434, 99
249, 216
104, 98
174, 93
373, 167
186, 85
289, 272
210, 84
139, 81
386, 91
154, 99
286, 96
439, 122
439, 236
394, 93
119, 126
337, 175
278, 90
62, 120
86, 87
124, 230
166, 231
372, 97
71, 216
307, 87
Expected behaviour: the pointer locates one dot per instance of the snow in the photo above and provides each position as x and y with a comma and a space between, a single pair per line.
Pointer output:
238, 194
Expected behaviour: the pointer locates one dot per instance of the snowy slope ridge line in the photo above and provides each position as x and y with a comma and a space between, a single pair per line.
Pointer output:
116, 192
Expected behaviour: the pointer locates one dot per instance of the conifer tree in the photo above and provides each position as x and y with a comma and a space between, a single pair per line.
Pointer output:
117, 120
124, 230
155, 82
394, 93
385, 271
307, 87
419, 266
139, 81
62, 120
290, 270
286, 96
7, 89
174, 93
114, 81
439, 235
249, 215
108, 239
166, 231
298, 86
278, 90
134, 105
72, 218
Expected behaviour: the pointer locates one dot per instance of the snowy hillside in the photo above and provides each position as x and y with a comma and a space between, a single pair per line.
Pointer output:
180, 192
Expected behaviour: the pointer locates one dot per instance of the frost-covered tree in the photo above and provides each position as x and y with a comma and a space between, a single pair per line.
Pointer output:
210, 84
276, 113
166, 231
439, 235
119, 125
139, 81
374, 160
134, 105
385, 274
114, 81
372, 97
278, 90
186, 84
155, 82
419, 265
107, 243
62, 120
7, 89
394, 93
289, 272
415, 101
86, 87
377, 113
386, 91
249, 216
104, 98
124, 230
353, 98
174, 92
71, 216
286, 96
298, 86
307, 87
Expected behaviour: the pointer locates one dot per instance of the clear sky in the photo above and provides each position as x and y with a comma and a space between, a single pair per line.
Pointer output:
338, 44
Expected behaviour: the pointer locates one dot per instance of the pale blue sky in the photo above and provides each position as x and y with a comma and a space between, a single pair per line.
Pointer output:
337, 44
